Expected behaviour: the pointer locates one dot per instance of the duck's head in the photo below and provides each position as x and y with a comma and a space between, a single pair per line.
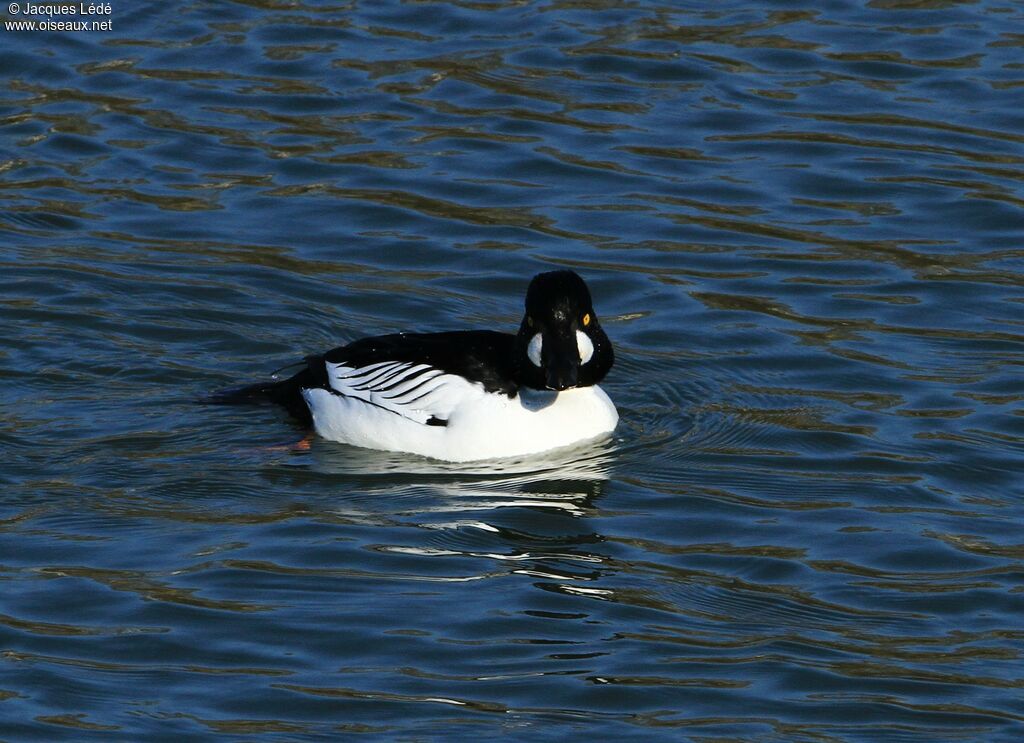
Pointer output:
560, 344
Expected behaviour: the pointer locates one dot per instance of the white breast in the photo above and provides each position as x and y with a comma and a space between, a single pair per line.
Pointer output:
480, 425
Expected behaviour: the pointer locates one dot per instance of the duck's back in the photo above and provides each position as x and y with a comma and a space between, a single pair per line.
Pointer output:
482, 356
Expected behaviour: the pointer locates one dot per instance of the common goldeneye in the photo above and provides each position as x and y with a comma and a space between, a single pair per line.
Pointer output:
463, 395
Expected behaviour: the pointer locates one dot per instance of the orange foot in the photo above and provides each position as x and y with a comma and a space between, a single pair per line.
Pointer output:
302, 444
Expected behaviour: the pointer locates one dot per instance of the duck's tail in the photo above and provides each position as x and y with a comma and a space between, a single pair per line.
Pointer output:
286, 393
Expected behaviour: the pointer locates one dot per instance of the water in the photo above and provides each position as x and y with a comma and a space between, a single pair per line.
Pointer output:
801, 223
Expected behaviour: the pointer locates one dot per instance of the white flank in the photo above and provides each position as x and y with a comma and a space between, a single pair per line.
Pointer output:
387, 406
414, 391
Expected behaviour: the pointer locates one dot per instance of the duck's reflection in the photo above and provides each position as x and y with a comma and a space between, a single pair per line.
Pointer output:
437, 521
565, 479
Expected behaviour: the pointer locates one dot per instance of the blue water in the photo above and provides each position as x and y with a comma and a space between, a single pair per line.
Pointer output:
801, 223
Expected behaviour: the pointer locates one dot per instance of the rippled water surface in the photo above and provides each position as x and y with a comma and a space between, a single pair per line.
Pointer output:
802, 224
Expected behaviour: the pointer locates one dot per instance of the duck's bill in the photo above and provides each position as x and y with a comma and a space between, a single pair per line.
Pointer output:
562, 361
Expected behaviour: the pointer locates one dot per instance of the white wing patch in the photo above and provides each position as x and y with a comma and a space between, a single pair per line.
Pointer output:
418, 392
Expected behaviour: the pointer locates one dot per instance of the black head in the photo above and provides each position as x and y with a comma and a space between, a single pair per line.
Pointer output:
560, 344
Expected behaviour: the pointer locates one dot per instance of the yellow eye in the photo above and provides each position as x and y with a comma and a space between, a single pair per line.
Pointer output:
586, 320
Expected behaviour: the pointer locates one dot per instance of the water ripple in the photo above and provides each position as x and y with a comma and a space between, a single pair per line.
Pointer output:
801, 227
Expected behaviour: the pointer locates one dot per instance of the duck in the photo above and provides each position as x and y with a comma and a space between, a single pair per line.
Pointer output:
463, 395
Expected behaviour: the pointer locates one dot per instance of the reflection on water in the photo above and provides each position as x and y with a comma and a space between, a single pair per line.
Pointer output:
567, 479
802, 222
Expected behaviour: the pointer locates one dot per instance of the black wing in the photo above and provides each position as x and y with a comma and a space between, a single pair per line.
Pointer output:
483, 356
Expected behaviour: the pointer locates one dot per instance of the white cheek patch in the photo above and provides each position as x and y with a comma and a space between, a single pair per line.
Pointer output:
584, 346
533, 350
